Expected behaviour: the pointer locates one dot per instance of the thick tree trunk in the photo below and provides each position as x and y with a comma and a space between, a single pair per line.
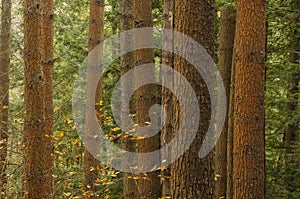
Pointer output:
227, 33
127, 63
47, 65
96, 36
167, 97
4, 90
148, 184
291, 136
249, 55
34, 162
193, 177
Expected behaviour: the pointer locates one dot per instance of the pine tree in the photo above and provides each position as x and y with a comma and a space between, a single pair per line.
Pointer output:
227, 33
96, 36
167, 97
148, 184
193, 177
47, 66
34, 164
248, 134
127, 63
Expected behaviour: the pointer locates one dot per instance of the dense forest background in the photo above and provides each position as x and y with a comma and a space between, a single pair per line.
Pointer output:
71, 32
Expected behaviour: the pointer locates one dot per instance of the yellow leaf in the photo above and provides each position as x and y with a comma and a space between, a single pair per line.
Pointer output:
60, 135
67, 194
116, 129
113, 175
137, 138
132, 130
75, 141
92, 169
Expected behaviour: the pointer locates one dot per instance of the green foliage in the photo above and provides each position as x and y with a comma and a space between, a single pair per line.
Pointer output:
280, 17
71, 41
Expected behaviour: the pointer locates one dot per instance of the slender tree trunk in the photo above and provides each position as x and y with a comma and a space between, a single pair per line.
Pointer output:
229, 167
47, 65
249, 55
227, 33
4, 89
193, 177
34, 162
229, 180
167, 97
96, 36
148, 184
127, 63
291, 136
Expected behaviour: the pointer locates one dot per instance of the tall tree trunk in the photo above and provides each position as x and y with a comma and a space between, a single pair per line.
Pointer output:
96, 36
148, 184
127, 63
47, 65
4, 89
193, 177
167, 97
229, 167
229, 180
227, 33
291, 136
249, 55
34, 165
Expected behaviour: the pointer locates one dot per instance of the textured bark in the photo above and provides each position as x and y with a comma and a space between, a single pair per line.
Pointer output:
249, 55
148, 184
229, 180
127, 63
130, 188
291, 136
227, 33
193, 177
96, 36
34, 165
47, 65
4, 90
167, 97
229, 183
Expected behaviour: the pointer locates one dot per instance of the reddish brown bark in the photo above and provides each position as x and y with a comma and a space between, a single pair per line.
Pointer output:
249, 58
47, 66
127, 63
148, 184
193, 177
167, 97
227, 33
96, 36
34, 165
